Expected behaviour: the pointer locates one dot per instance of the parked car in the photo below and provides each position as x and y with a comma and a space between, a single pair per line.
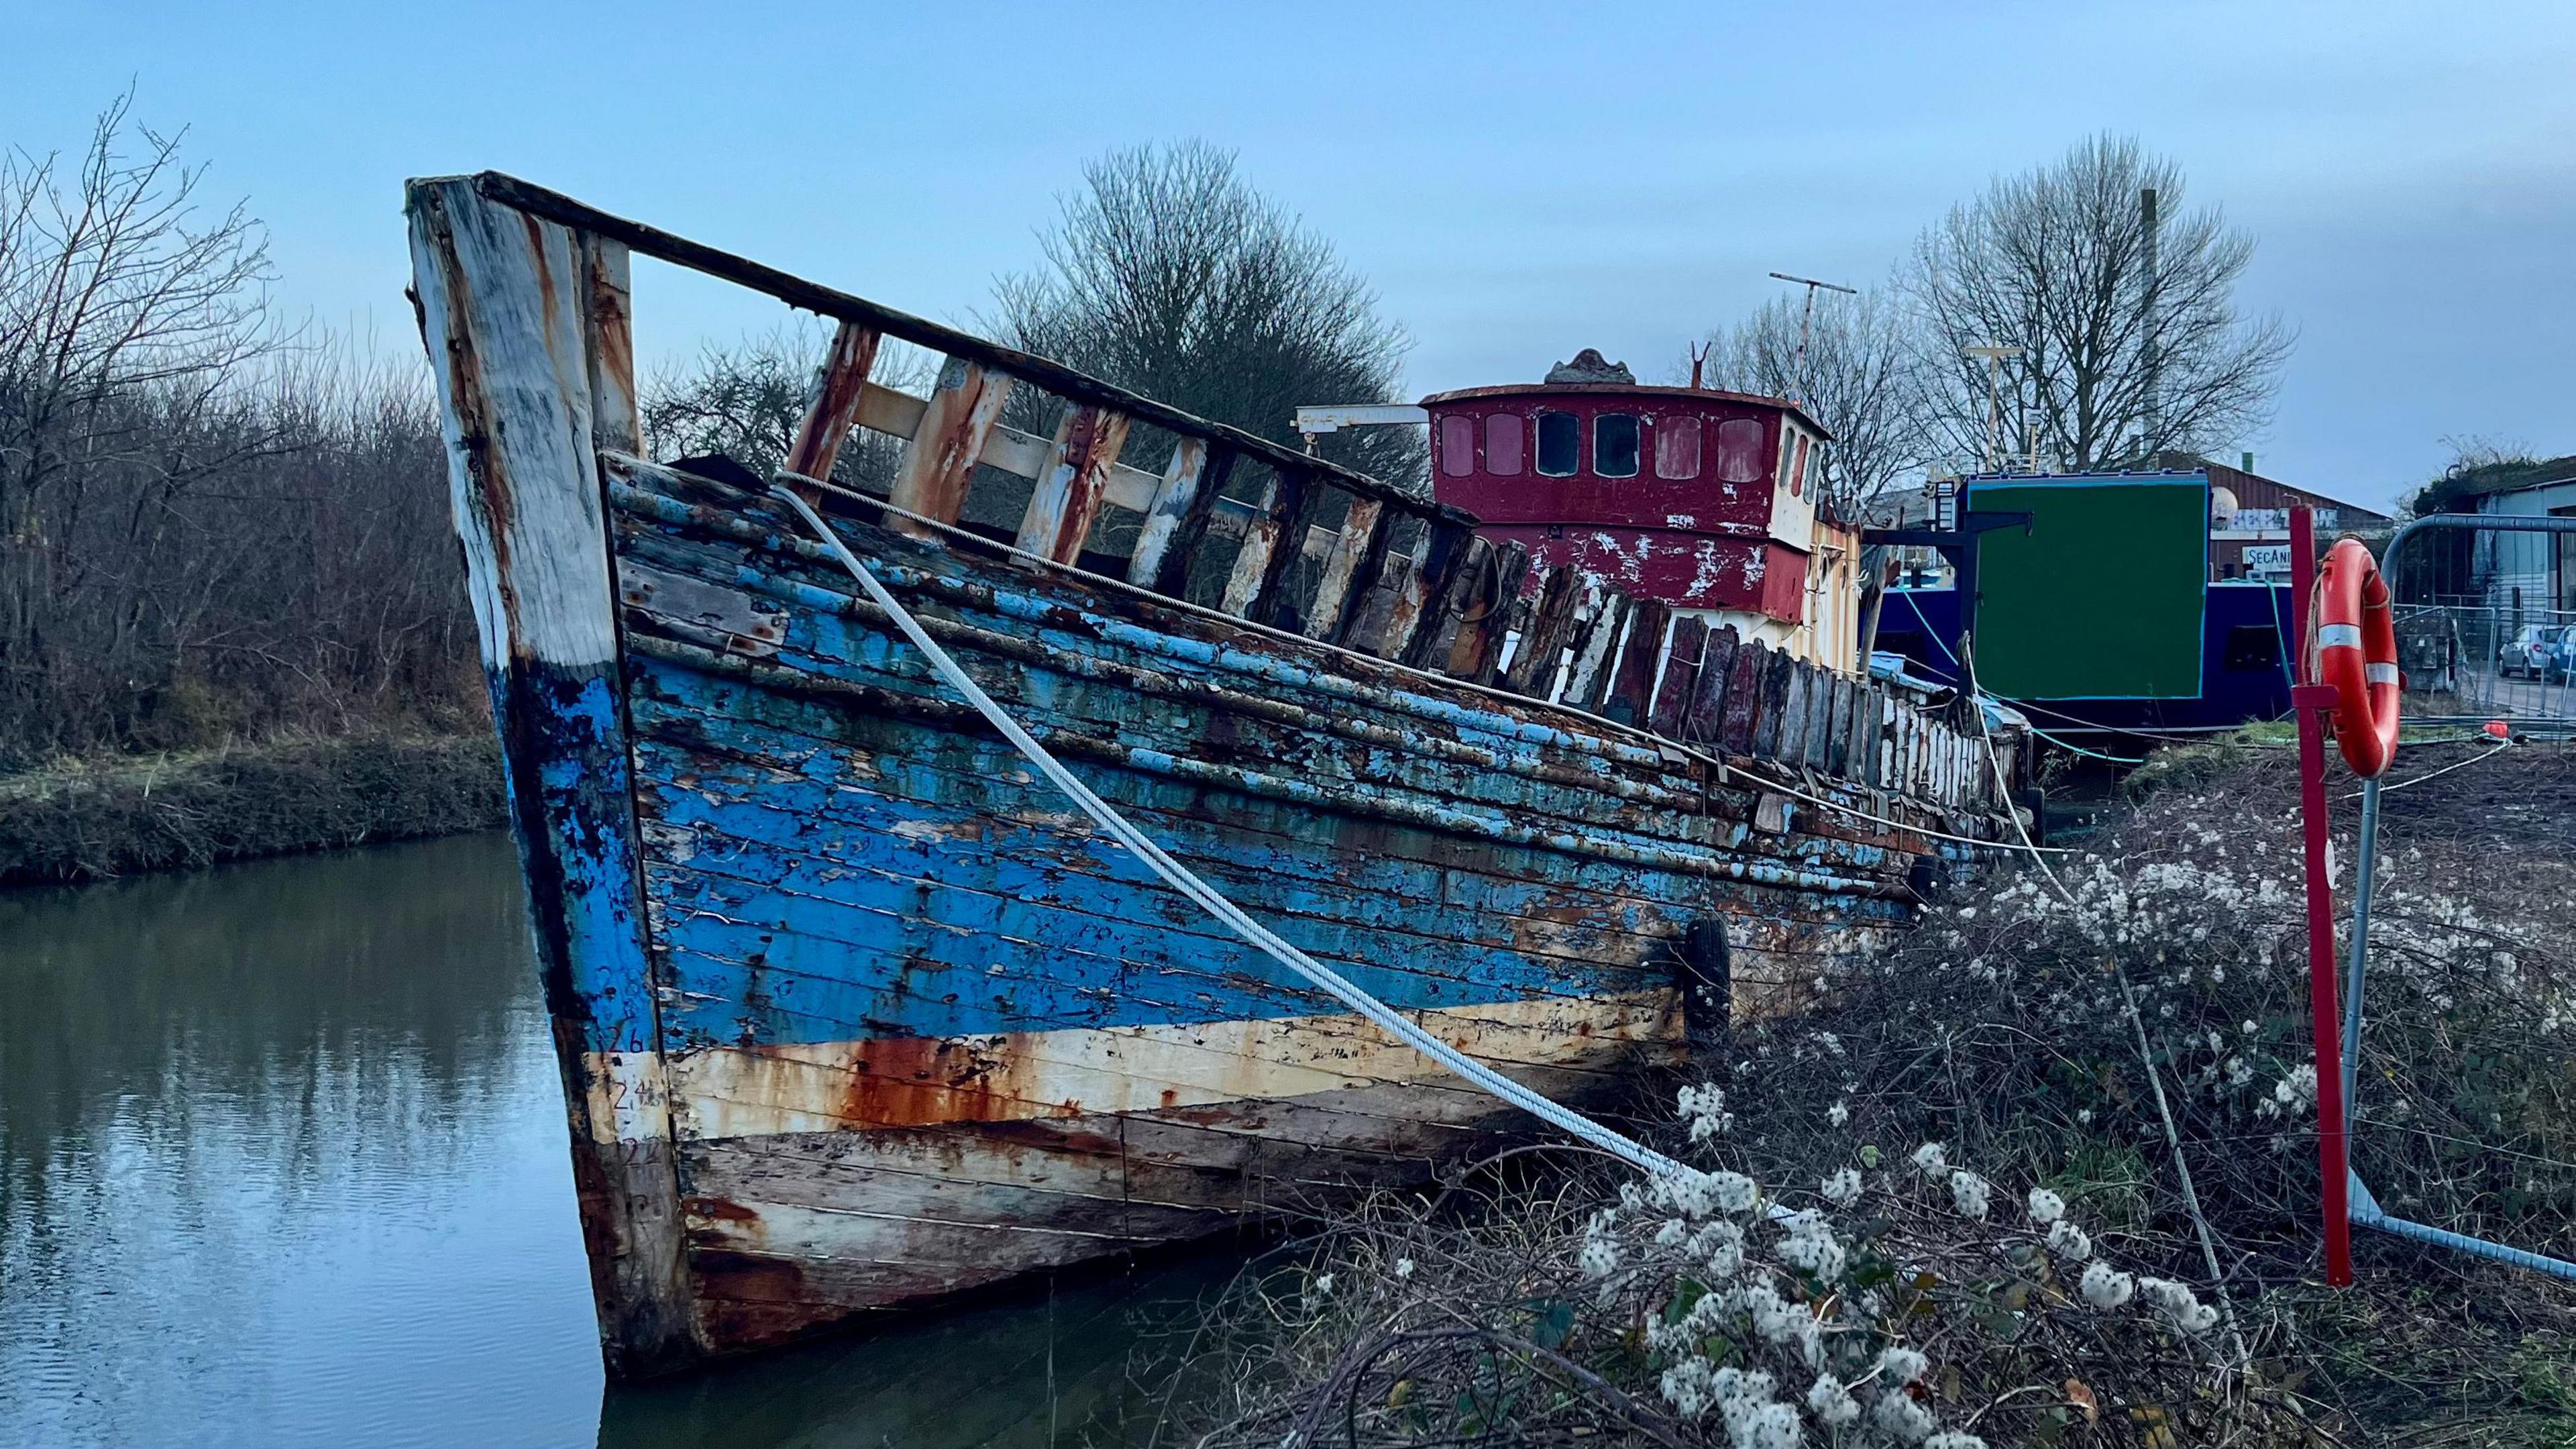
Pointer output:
2532, 650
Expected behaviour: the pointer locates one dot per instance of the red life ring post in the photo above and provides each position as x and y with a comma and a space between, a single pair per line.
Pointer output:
2353, 643
2312, 701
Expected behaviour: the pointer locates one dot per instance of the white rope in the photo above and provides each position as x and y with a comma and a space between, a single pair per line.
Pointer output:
2498, 748
1182, 879
969, 536
2146, 1059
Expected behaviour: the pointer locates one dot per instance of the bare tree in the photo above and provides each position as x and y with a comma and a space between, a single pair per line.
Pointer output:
125, 316
747, 399
1169, 274
208, 529
1859, 378
2121, 362
743, 401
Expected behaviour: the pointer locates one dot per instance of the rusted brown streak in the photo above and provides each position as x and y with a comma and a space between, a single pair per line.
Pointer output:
466, 395
614, 417
834, 409
954, 428
1067, 497
921, 1081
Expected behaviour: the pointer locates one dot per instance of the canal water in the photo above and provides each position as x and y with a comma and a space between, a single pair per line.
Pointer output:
282, 1163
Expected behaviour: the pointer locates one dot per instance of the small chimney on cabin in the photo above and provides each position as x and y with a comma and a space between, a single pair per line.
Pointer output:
1589, 366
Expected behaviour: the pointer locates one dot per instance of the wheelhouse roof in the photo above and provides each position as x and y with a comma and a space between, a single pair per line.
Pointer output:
1625, 389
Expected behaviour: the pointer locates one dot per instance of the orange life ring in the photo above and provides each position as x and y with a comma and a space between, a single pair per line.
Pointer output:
2354, 648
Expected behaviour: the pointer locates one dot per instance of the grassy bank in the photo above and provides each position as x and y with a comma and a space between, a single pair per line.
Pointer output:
1988, 1239
86, 819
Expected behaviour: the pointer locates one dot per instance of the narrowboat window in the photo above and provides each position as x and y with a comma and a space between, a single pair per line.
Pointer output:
2251, 647
1614, 445
1457, 445
1739, 450
1677, 447
1560, 441
1503, 437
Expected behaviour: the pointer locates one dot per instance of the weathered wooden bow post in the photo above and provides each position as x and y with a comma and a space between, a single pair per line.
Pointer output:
527, 330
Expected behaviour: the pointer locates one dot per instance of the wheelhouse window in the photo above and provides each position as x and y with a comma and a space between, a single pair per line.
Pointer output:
1457, 445
1793, 460
1504, 434
1677, 447
1739, 450
1614, 445
1560, 444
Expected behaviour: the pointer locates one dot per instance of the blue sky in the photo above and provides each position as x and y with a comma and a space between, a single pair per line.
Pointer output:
1517, 181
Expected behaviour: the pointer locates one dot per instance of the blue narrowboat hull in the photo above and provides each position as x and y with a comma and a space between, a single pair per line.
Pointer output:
2243, 676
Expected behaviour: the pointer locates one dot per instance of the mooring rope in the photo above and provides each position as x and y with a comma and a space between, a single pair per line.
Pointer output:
1182, 879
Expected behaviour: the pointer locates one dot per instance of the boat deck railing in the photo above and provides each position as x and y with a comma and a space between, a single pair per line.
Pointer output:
1080, 472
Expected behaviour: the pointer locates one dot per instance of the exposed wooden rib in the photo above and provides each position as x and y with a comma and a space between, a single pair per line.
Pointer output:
1176, 519
608, 321
1252, 560
1478, 648
1414, 634
1293, 507
1632, 684
1450, 609
1347, 565
1704, 720
1681, 676
947, 441
1594, 646
834, 407
1533, 669
1068, 493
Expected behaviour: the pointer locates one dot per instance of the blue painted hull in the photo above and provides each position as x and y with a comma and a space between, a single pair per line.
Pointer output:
853, 1012
925, 1029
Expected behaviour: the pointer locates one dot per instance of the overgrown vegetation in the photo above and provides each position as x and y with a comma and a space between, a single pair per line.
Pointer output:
87, 819
1986, 1239
211, 530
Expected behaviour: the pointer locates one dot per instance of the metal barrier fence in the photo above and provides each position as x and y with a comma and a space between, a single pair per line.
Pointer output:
2489, 659
2486, 613
2348, 1201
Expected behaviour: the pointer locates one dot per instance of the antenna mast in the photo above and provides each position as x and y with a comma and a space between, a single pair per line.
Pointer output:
1806, 321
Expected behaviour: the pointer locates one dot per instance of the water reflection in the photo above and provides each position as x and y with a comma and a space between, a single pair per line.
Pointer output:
282, 1162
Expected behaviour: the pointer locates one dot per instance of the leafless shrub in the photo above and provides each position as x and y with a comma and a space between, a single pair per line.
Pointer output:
208, 528
1562, 1308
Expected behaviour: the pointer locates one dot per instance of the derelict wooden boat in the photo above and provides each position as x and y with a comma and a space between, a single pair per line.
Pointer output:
855, 1012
